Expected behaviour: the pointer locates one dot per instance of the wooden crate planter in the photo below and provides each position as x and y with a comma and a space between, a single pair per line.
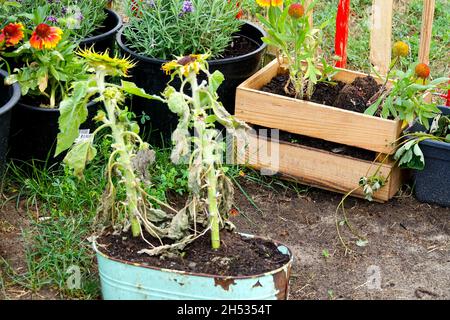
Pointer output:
312, 166
313, 119
318, 168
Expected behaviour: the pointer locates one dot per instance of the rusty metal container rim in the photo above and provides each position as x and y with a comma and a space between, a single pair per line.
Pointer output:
277, 243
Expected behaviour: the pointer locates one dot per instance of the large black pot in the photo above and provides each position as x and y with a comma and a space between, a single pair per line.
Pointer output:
148, 75
104, 37
432, 185
34, 132
9, 96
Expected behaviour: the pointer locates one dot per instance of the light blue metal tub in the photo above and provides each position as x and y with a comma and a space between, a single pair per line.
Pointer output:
121, 280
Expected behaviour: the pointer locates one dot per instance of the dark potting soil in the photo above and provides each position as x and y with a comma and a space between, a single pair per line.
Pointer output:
353, 96
325, 145
239, 46
238, 256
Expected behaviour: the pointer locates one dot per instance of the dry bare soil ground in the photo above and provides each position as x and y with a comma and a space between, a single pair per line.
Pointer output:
409, 245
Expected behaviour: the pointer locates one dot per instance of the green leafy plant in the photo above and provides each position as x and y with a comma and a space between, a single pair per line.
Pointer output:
81, 17
50, 65
163, 29
409, 155
408, 96
298, 45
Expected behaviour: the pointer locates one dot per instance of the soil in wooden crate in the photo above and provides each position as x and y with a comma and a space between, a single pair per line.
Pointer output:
238, 256
325, 145
353, 96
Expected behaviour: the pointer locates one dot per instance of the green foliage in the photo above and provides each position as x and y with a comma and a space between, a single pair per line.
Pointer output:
406, 100
298, 44
79, 17
409, 155
372, 184
160, 29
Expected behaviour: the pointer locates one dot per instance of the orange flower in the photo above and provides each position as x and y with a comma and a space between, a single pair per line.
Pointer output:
422, 71
12, 34
45, 36
268, 3
234, 212
296, 10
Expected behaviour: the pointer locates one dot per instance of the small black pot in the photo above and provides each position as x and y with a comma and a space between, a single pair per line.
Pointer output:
104, 37
9, 96
148, 75
432, 185
34, 132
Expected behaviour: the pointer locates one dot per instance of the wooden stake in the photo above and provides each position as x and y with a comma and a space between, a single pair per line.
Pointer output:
311, 17
381, 33
427, 28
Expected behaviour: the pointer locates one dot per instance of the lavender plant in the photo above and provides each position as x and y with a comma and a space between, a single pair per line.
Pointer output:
163, 29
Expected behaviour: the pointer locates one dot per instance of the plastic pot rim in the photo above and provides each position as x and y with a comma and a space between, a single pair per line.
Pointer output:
15, 97
108, 33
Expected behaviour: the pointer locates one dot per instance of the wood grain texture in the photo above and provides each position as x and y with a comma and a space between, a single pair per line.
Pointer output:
319, 168
312, 119
381, 34
426, 31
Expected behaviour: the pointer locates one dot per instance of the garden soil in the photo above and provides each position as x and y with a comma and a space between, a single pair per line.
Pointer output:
353, 96
407, 255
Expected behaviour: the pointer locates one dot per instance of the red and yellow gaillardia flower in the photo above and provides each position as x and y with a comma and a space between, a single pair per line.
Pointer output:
269, 3
45, 36
12, 34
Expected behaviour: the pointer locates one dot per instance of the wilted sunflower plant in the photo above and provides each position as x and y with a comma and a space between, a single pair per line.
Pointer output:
50, 64
130, 157
199, 111
298, 44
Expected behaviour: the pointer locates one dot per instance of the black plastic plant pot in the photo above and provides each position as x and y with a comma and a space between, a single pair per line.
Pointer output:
432, 185
148, 75
105, 37
9, 96
34, 132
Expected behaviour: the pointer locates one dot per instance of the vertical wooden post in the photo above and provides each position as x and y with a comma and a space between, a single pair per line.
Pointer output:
426, 32
381, 34
341, 37
311, 17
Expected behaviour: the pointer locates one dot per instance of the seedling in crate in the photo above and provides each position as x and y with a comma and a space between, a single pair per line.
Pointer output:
298, 45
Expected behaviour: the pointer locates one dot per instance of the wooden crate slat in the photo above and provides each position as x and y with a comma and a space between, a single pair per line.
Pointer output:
320, 168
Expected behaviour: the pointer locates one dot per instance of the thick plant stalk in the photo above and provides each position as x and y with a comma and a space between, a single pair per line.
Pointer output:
213, 208
207, 151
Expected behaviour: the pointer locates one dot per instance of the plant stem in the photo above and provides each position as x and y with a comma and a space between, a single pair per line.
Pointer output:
125, 165
207, 151
213, 209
